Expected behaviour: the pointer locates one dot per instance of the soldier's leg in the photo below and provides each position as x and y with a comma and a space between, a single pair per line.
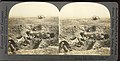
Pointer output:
16, 46
68, 47
12, 48
60, 47
65, 48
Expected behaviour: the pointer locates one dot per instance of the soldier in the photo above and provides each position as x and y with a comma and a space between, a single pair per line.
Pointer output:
36, 42
28, 37
65, 46
76, 42
88, 40
12, 45
45, 42
83, 37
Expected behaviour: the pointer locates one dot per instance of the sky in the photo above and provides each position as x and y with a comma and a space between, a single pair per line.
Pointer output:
70, 10
84, 10
33, 9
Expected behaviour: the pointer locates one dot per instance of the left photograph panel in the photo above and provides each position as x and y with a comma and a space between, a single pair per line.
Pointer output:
33, 29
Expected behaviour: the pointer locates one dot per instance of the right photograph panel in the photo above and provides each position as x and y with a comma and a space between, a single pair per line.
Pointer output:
84, 29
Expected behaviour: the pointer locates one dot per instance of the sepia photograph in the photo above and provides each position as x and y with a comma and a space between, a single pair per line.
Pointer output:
84, 29
33, 29
39, 28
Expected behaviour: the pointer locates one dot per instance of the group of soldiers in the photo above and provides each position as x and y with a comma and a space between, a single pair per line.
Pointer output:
30, 39
85, 40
